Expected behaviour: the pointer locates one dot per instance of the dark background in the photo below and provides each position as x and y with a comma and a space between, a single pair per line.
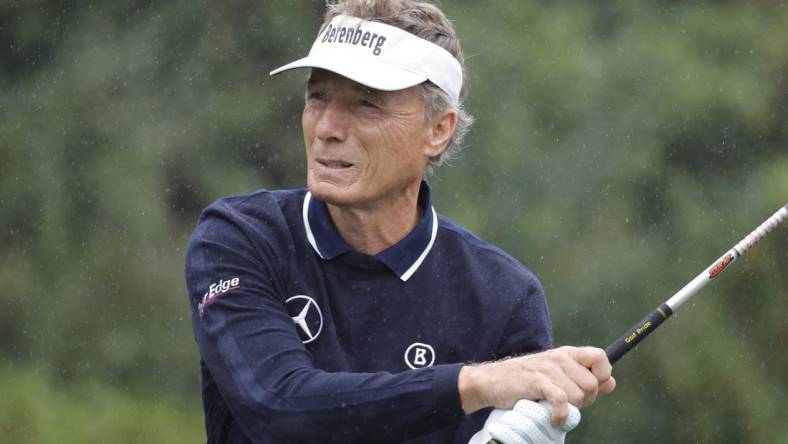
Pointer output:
620, 147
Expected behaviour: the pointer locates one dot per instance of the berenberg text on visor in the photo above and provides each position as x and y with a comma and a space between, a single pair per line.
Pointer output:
354, 36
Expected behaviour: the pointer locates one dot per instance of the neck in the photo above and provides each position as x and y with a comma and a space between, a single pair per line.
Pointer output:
372, 229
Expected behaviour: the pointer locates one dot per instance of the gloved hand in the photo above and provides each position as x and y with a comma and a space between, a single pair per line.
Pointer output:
527, 422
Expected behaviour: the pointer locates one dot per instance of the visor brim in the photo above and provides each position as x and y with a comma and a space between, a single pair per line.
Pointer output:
376, 75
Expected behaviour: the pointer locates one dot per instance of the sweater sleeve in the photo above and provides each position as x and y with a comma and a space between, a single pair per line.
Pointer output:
249, 344
529, 329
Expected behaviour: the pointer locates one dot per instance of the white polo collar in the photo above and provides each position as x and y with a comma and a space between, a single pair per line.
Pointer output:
403, 258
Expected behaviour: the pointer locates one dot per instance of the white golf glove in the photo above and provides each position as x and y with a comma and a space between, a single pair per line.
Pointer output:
528, 422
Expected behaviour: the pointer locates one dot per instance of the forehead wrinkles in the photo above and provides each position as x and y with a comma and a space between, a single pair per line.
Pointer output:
401, 103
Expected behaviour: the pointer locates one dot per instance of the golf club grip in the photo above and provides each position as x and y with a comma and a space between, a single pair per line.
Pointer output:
637, 333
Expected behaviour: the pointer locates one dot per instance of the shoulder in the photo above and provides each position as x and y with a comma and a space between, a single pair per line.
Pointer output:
258, 226
261, 205
488, 257
508, 287
262, 212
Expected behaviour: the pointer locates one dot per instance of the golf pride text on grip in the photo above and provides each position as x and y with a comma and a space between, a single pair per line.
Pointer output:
637, 333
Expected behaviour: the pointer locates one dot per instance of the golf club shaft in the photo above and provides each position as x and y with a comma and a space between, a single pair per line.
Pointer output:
639, 331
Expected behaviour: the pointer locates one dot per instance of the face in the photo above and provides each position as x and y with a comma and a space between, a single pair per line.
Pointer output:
364, 147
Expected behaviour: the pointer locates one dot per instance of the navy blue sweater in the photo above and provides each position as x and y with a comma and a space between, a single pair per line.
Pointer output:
303, 339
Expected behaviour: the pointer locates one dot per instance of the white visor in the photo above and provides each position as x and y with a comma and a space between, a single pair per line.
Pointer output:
381, 57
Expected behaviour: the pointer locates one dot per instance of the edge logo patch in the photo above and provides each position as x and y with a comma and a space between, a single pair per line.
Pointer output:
216, 290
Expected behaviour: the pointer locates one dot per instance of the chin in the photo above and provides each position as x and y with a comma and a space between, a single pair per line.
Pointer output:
334, 194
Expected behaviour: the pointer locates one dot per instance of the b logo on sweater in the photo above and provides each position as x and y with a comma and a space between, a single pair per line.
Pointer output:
419, 355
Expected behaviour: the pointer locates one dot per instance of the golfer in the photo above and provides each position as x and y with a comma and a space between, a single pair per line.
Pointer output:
351, 311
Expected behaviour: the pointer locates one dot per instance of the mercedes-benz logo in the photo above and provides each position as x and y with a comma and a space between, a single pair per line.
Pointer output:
308, 318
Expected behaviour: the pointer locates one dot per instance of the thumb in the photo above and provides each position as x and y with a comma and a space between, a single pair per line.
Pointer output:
608, 386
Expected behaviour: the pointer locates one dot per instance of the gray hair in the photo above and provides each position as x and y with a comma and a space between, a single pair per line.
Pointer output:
426, 21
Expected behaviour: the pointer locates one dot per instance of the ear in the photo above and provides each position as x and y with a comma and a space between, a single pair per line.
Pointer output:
440, 131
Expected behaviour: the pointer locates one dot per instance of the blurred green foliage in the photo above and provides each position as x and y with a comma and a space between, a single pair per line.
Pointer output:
620, 147
36, 409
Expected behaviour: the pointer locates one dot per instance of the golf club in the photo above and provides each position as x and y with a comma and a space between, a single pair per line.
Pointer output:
647, 325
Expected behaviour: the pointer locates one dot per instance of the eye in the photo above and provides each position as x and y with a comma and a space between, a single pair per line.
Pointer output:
367, 104
316, 95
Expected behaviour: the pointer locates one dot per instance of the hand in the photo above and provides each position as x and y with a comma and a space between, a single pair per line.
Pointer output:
527, 422
563, 375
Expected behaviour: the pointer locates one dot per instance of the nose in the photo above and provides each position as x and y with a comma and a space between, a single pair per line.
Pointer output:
332, 124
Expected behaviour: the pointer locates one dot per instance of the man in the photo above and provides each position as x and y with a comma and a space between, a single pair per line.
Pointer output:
347, 312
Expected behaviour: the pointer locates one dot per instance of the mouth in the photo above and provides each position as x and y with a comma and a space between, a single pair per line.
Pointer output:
334, 164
